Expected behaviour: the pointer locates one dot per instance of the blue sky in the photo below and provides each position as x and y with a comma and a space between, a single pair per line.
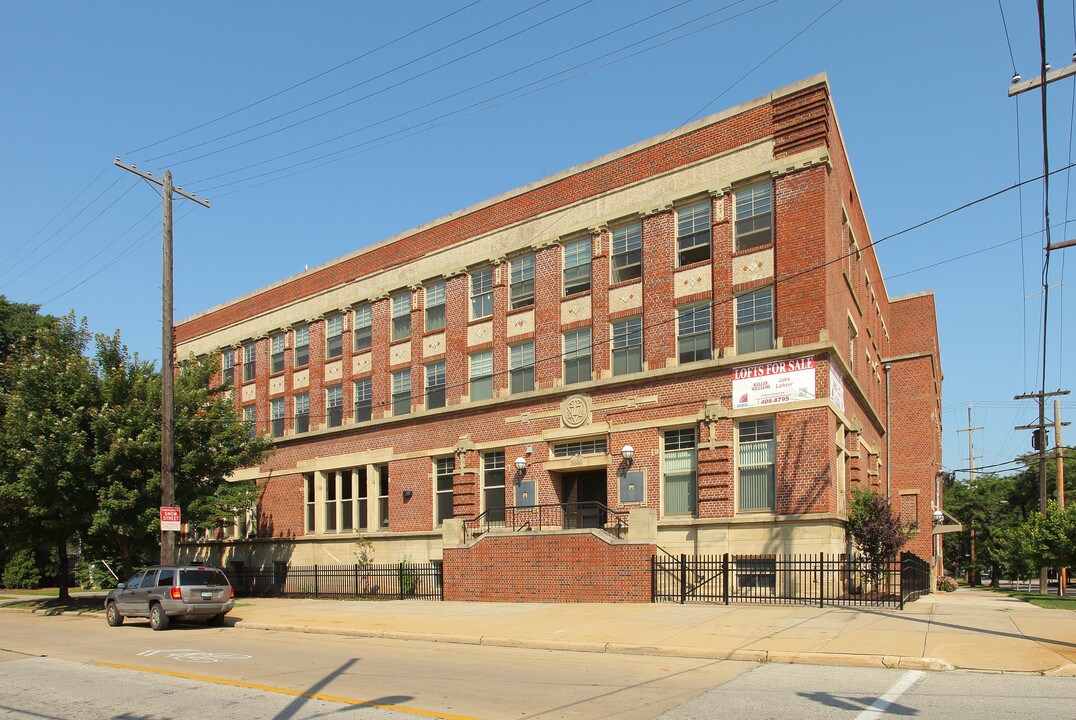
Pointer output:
919, 87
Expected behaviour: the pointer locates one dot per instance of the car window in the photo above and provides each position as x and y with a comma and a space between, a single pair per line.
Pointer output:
147, 581
135, 581
202, 577
165, 577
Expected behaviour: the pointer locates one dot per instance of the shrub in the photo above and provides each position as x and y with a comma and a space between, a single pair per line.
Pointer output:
946, 584
21, 571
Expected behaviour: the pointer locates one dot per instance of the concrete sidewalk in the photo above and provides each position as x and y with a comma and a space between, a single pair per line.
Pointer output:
968, 629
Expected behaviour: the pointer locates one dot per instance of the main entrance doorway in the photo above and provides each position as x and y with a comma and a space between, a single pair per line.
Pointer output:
586, 494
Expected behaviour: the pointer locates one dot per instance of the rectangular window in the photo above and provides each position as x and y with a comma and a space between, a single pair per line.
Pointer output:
401, 316
334, 336
227, 367
627, 346
481, 293
577, 353
493, 485
331, 495
249, 356
302, 345
276, 417
757, 454
693, 233
627, 259
364, 319
599, 446
302, 412
362, 494
401, 392
383, 496
363, 399
754, 216
444, 470
693, 333
521, 290
347, 501
680, 472
481, 375
521, 367
276, 358
250, 419
311, 502
577, 266
334, 405
435, 306
435, 384
754, 321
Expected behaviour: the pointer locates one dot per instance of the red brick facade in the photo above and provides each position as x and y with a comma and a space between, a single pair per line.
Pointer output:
721, 472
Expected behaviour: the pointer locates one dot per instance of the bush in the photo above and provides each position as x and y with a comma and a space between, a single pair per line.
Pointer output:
21, 571
946, 584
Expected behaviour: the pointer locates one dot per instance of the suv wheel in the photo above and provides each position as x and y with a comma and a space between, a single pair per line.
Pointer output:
157, 619
113, 616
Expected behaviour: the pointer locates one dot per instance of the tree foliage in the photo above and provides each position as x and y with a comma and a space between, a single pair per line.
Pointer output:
875, 530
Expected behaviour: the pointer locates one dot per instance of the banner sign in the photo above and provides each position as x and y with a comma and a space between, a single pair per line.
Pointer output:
783, 381
170, 519
836, 386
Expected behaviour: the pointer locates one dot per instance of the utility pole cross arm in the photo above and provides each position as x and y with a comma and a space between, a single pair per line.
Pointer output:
148, 176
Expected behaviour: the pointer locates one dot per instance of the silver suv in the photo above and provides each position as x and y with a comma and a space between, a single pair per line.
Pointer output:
165, 592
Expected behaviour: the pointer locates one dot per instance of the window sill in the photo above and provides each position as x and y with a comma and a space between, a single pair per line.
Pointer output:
694, 265
520, 310
577, 295
625, 283
748, 251
476, 321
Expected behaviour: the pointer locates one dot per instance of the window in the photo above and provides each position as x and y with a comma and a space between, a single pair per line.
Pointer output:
680, 472
577, 351
276, 357
302, 345
401, 316
481, 293
435, 306
331, 494
347, 500
521, 367
435, 384
311, 501
693, 233
302, 412
276, 417
334, 336
444, 469
521, 290
166, 577
693, 333
334, 405
754, 321
401, 392
363, 399
493, 485
628, 346
577, 266
383, 495
598, 446
362, 493
363, 321
757, 452
482, 375
227, 366
754, 216
627, 259
250, 419
249, 356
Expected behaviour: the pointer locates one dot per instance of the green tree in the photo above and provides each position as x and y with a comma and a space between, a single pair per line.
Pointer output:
985, 507
48, 488
874, 528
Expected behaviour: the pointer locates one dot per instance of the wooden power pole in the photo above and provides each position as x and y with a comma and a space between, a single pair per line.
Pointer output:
1059, 458
168, 404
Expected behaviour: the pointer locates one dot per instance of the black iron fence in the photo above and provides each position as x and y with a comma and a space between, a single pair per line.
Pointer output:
795, 579
558, 516
398, 581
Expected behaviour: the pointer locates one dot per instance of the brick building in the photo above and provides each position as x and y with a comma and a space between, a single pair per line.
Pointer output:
691, 335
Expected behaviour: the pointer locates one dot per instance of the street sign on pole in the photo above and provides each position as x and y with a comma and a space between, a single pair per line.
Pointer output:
170, 521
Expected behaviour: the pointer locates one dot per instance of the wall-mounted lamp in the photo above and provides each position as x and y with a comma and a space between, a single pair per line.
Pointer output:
521, 465
628, 453
407, 494
937, 516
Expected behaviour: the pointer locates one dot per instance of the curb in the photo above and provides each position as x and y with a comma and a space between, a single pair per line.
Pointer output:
901, 662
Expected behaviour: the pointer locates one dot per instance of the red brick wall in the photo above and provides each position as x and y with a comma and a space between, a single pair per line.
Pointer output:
548, 568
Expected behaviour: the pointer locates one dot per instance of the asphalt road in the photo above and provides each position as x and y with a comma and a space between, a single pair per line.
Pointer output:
92, 671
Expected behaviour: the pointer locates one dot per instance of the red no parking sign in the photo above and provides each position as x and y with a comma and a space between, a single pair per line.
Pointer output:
170, 518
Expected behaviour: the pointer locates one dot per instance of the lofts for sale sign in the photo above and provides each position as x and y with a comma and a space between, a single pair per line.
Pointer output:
783, 381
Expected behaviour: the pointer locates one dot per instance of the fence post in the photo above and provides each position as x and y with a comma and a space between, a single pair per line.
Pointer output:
315, 581
440, 575
821, 580
725, 577
400, 580
653, 579
900, 587
356, 579
683, 578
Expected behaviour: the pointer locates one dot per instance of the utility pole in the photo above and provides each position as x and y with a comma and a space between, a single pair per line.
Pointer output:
1040, 429
168, 407
1059, 458
973, 574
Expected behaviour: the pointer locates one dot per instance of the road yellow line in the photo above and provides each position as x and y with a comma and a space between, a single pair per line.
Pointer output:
286, 691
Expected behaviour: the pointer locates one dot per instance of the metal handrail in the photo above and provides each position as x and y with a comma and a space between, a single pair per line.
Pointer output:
553, 516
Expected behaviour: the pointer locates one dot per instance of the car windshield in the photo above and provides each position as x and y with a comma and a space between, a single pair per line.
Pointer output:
202, 577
